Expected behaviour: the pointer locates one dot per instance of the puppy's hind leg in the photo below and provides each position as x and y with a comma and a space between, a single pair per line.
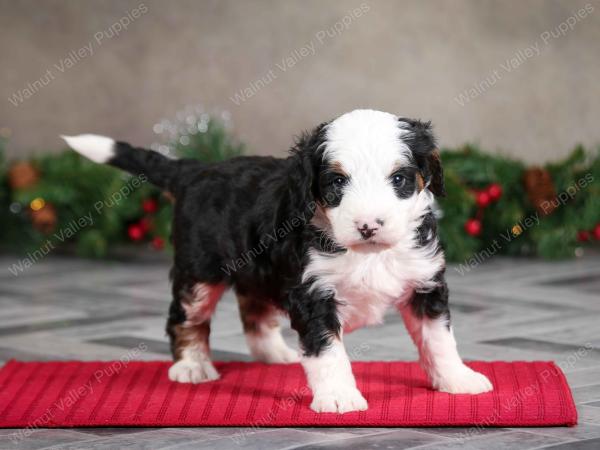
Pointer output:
263, 333
188, 328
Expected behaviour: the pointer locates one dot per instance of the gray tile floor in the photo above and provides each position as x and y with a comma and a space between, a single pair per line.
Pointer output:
63, 308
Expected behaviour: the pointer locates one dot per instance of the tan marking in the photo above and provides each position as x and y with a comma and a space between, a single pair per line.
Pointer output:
256, 314
336, 167
191, 336
420, 182
200, 303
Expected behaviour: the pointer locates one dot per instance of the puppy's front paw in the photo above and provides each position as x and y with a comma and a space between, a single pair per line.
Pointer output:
339, 400
463, 380
185, 371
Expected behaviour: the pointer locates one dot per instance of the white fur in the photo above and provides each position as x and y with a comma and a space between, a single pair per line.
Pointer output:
99, 149
194, 366
368, 279
439, 356
367, 145
267, 345
332, 382
372, 275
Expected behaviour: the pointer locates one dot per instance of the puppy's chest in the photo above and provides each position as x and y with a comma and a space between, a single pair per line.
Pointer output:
367, 284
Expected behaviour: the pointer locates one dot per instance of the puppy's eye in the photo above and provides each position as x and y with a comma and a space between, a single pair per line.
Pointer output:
340, 181
398, 180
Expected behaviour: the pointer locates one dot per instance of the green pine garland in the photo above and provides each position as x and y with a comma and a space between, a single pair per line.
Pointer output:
552, 236
96, 204
78, 188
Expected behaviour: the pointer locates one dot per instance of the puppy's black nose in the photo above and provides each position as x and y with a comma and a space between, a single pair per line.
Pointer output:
367, 232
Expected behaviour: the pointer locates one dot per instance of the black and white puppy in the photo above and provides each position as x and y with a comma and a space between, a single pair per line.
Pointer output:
333, 235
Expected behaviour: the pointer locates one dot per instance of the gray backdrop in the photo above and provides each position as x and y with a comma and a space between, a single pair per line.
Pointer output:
519, 77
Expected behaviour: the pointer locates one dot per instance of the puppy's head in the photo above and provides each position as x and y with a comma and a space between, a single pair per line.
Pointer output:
364, 172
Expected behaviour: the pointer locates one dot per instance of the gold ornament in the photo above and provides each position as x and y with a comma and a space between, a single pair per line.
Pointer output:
37, 204
517, 230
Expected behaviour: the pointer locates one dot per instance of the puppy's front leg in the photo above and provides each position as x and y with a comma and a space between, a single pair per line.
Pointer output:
330, 377
427, 319
313, 313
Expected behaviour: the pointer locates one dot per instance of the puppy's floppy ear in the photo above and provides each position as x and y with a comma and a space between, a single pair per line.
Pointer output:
423, 146
307, 157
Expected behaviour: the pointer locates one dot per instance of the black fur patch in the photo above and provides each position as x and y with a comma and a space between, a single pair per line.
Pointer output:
320, 241
432, 303
331, 186
313, 315
176, 312
244, 222
422, 144
159, 169
427, 230
407, 186
420, 139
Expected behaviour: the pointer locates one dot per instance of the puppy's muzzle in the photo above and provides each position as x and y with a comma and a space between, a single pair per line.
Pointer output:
368, 230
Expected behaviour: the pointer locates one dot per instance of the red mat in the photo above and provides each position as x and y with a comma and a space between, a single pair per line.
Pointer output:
96, 394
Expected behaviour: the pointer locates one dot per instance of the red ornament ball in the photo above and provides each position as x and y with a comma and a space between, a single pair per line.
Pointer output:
135, 232
473, 227
583, 236
494, 191
150, 205
597, 232
483, 199
158, 243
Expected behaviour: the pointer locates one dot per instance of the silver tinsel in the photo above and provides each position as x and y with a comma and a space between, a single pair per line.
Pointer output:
188, 121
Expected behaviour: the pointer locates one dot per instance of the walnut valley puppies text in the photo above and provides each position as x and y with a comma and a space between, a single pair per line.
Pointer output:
76, 55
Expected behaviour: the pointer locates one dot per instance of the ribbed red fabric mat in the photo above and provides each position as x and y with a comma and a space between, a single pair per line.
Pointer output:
96, 394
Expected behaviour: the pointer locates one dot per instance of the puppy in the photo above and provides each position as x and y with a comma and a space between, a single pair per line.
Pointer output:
332, 235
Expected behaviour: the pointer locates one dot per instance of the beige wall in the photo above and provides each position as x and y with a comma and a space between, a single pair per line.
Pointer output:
412, 58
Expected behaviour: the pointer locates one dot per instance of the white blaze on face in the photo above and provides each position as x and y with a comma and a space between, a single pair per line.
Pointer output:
367, 145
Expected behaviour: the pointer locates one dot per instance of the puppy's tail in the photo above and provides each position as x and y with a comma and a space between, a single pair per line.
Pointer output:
160, 170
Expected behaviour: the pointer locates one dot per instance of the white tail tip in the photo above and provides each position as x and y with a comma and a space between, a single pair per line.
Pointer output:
99, 149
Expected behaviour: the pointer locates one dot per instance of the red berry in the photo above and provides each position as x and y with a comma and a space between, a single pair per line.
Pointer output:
597, 232
494, 191
158, 243
149, 205
473, 227
145, 224
483, 199
135, 232
583, 236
